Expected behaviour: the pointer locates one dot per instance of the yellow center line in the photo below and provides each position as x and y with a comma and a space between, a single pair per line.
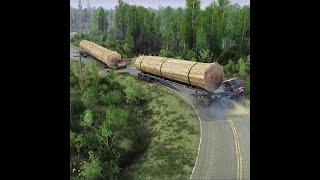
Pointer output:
237, 147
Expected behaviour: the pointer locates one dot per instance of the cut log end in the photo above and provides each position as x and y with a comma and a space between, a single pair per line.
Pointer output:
213, 76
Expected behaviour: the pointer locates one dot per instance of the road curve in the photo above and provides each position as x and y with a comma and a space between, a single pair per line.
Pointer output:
225, 137
224, 148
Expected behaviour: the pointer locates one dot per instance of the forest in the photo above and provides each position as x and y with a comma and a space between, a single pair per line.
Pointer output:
108, 118
103, 112
125, 128
219, 33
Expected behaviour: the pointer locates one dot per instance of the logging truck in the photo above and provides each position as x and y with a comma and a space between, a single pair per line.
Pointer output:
205, 79
110, 59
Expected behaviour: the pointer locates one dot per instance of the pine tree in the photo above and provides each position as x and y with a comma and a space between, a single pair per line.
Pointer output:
191, 22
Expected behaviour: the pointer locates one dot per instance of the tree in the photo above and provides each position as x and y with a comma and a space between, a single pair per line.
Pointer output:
85, 18
72, 141
90, 97
216, 26
74, 80
106, 22
244, 67
191, 22
79, 5
244, 27
134, 94
113, 126
99, 21
94, 21
76, 109
204, 55
79, 14
201, 44
170, 28
91, 77
92, 169
120, 18
88, 119
78, 141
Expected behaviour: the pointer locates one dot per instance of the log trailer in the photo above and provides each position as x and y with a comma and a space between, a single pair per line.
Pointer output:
230, 89
109, 58
205, 79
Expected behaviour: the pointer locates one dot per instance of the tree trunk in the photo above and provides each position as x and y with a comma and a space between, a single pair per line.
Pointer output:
242, 34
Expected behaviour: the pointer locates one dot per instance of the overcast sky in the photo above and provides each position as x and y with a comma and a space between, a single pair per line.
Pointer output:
108, 4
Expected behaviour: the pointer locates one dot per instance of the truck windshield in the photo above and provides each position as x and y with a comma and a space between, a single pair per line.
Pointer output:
235, 82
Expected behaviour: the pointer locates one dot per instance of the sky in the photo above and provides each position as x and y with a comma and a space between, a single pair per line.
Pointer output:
110, 4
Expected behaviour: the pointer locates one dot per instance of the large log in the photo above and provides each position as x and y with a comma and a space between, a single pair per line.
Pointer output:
208, 76
108, 57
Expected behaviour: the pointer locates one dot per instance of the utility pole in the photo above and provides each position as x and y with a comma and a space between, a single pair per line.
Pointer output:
80, 64
81, 79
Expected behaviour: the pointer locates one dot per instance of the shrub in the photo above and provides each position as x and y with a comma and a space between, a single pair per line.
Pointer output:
231, 68
165, 53
189, 55
92, 169
90, 97
135, 94
205, 55
74, 80
76, 108
241, 69
244, 67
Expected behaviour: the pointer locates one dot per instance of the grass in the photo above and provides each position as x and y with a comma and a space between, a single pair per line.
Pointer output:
130, 61
172, 151
75, 44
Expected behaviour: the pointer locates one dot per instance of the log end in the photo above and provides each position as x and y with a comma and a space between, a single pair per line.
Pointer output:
213, 77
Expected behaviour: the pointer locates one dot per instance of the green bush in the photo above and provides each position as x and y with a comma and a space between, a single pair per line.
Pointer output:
92, 169
74, 80
90, 97
135, 94
165, 53
244, 67
189, 55
99, 119
205, 56
241, 69
113, 97
76, 108
247, 87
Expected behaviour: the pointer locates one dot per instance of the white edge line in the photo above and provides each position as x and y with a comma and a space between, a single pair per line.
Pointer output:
195, 164
200, 140
200, 137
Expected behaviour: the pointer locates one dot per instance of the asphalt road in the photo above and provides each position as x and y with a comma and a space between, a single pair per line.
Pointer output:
225, 137
74, 50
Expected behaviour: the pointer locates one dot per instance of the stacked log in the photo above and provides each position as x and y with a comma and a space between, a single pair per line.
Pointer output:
208, 76
108, 57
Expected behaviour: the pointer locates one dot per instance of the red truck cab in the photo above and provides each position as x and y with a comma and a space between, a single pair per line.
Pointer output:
234, 85
121, 64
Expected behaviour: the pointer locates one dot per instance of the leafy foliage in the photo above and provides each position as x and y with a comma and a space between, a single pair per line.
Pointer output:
135, 94
92, 169
240, 68
221, 30
100, 115
190, 23
88, 119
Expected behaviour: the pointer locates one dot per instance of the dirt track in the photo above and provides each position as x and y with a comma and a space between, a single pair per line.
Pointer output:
225, 139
